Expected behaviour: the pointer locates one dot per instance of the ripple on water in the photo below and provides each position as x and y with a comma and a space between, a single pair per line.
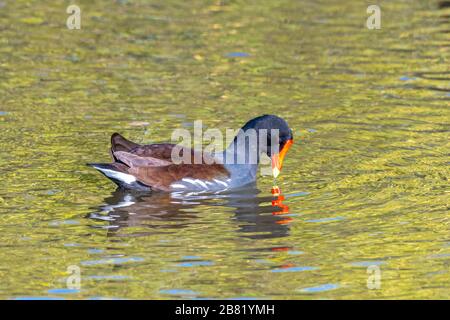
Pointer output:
71, 245
52, 192
195, 263
296, 194
294, 269
179, 292
105, 298
263, 261
38, 298
294, 252
64, 222
191, 258
109, 277
321, 288
95, 251
63, 291
367, 263
237, 55
406, 78
111, 261
326, 219
439, 256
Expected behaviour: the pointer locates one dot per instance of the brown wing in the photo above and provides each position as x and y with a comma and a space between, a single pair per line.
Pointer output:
152, 164
133, 160
163, 151
161, 178
119, 143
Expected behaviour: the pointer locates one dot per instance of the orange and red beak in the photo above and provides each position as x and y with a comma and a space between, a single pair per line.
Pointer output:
277, 159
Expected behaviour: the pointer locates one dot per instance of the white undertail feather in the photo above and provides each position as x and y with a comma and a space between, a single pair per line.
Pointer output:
123, 177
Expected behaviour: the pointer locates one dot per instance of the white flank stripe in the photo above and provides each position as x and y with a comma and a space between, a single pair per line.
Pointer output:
177, 185
189, 180
221, 182
200, 182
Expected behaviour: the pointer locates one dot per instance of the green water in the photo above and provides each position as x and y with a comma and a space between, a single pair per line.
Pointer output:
366, 182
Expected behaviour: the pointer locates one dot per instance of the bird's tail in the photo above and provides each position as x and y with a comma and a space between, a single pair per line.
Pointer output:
119, 143
118, 173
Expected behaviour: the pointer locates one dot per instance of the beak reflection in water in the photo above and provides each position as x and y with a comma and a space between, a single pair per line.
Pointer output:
278, 203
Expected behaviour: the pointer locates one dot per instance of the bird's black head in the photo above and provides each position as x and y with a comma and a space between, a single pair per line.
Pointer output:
279, 138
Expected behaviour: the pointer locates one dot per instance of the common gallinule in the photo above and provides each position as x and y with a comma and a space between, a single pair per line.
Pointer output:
151, 167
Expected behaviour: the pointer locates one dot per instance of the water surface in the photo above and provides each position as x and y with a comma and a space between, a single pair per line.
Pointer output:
366, 181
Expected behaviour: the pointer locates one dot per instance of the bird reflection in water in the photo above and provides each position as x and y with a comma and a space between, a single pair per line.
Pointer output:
257, 217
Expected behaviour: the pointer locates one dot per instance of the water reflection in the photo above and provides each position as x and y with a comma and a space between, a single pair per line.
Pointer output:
257, 216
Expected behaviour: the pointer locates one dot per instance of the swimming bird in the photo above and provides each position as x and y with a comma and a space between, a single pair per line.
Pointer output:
152, 167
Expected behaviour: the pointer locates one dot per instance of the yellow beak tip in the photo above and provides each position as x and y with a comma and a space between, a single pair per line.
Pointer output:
275, 172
